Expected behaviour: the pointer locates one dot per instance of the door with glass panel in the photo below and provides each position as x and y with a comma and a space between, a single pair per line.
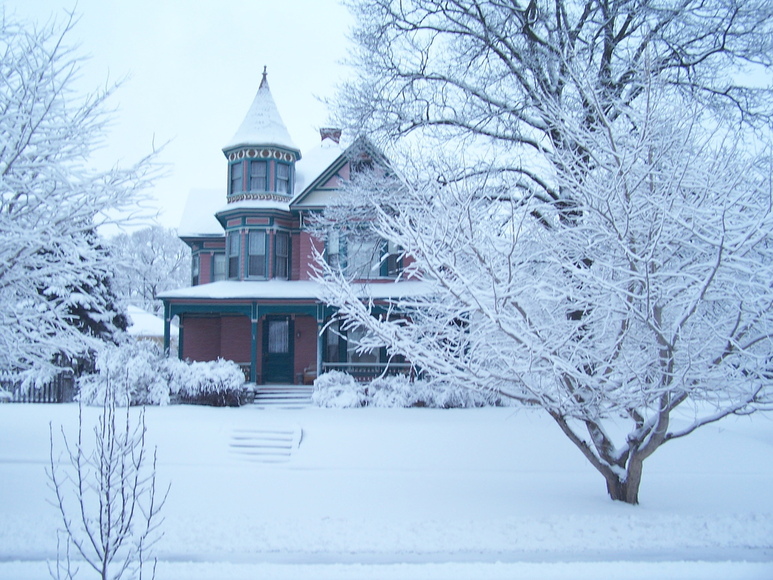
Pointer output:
278, 349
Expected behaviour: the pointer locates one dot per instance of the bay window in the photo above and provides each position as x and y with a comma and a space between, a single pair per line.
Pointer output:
281, 255
256, 264
234, 242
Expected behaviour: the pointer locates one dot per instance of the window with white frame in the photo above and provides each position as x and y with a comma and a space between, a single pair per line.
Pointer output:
256, 252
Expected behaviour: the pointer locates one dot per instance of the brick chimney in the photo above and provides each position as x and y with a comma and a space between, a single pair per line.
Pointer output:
330, 133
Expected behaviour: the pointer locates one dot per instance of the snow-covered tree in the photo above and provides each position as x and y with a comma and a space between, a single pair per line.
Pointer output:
149, 261
589, 206
646, 316
51, 202
429, 71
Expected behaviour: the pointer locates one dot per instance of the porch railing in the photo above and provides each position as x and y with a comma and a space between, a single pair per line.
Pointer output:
368, 371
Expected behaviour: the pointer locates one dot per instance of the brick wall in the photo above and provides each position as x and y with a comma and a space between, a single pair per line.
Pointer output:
307, 243
235, 338
201, 337
305, 344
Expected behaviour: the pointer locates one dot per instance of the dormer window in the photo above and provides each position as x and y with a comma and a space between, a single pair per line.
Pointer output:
236, 178
257, 175
283, 178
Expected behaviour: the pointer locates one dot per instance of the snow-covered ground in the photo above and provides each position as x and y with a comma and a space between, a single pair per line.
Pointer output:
414, 493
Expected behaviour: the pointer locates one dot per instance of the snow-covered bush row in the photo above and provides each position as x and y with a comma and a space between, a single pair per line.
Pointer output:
138, 374
340, 390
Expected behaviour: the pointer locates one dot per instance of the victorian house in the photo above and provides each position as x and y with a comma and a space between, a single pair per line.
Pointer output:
253, 299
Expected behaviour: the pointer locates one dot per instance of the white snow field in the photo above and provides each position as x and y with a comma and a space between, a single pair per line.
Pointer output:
495, 493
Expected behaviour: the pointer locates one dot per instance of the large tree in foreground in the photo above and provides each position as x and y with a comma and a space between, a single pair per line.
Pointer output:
611, 260
51, 203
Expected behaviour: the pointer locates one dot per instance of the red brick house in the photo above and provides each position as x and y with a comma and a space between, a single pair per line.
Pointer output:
252, 298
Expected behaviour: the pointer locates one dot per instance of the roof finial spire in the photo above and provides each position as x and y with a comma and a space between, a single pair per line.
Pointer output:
263, 80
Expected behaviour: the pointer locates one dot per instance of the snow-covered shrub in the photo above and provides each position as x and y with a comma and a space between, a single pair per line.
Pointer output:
397, 391
400, 391
138, 374
133, 371
454, 396
338, 390
218, 383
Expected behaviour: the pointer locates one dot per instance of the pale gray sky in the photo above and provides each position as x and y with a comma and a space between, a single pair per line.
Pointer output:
194, 67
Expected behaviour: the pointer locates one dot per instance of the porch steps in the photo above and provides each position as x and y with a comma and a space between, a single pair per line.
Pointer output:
266, 444
283, 396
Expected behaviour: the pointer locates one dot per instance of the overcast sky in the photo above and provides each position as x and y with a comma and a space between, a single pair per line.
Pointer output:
193, 68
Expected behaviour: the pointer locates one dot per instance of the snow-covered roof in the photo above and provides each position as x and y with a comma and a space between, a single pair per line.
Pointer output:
263, 125
144, 324
252, 204
314, 162
198, 217
292, 290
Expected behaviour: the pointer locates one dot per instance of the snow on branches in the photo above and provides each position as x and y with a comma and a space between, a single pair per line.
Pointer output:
50, 202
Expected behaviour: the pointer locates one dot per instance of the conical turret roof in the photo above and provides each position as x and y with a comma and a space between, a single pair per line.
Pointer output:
262, 125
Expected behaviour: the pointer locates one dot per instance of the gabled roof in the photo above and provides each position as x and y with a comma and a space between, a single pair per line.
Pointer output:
262, 125
334, 163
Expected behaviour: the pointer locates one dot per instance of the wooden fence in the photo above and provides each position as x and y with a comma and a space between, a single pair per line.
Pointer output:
59, 390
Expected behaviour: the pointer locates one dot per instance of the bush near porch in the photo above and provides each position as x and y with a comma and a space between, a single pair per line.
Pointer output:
139, 374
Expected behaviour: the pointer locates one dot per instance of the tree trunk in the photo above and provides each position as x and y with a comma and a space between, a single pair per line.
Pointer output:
626, 490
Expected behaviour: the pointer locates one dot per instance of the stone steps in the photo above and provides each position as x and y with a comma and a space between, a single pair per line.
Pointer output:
283, 396
265, 444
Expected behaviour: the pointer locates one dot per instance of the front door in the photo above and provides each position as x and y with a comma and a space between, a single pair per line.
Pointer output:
278, 349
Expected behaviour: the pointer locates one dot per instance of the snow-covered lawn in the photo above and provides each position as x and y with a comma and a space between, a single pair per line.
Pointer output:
414, 493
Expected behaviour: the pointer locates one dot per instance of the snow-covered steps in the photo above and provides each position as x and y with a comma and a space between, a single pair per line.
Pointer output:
266, 444
283, 396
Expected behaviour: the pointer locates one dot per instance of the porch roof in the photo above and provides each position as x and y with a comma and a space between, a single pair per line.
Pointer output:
291, 290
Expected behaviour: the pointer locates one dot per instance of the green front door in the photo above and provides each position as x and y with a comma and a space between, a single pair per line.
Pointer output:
278, 349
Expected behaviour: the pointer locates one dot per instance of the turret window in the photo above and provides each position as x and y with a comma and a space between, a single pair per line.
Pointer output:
236, 177
283, 178
257, 175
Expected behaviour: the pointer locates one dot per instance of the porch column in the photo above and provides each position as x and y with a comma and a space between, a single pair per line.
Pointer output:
254, 318
167, 320
320, 340
320, 346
